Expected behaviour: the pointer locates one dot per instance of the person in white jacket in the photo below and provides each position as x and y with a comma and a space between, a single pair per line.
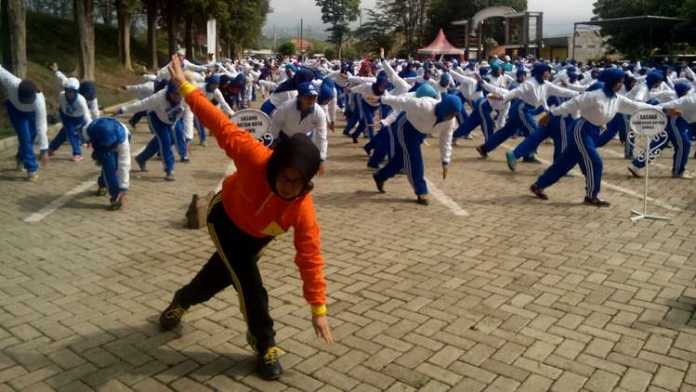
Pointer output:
75, 114
164, 110
141, 91
302, 115
421, 116
111, 150
26, 108
87, 89
595, 109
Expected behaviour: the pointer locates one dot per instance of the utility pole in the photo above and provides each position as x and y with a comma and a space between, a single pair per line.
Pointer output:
301, 27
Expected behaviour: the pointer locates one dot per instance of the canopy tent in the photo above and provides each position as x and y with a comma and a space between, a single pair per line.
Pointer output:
440, 46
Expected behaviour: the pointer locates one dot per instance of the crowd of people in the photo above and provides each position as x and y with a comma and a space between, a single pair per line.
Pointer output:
395, 105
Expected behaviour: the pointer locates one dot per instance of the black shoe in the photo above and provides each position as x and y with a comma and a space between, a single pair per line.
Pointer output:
101, 191
596, 202
171, 317
538, 192
481, 151
185, 160
355, 140
268, 364
380, 184
423, 200
141, 164
367, 150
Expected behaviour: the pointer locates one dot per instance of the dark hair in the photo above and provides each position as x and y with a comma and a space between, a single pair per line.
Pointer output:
26, 92
297, 152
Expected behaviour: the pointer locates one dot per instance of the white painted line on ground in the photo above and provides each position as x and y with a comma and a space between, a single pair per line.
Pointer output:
446, 200
617, 188
59, 202
231, 168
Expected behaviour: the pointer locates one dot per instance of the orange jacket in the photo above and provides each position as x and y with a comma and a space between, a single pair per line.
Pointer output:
249, 201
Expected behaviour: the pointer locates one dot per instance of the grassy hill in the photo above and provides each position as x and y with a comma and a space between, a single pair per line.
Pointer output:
50, 39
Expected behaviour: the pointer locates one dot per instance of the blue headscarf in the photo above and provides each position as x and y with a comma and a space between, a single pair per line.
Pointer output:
654, 78
610, 77
105, 133
538, 71
326, 92
521, 72
426, 90
483, 71
88, 90
212, 81
450, 104
595, 86
682, 88
445, 80
381, 84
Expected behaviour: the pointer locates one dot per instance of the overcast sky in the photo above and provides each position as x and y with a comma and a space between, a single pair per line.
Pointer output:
559, 15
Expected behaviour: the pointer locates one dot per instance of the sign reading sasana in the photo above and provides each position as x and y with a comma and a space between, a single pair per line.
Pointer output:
648, 122
256, 122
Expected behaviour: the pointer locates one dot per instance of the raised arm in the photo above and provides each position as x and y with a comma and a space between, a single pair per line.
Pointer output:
629, 106
223, 104
8, 80
146, 104
41, 122
402, 87
239, 144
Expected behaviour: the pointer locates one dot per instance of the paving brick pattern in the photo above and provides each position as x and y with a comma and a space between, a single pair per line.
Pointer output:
522, 295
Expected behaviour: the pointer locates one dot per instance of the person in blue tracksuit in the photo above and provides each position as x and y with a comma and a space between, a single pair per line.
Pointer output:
384, 143
677, 130
556, 129
111, 150
26, 108
528, 100
482, 111
594, 110
420, 116
368, 104
75, 114
164, 110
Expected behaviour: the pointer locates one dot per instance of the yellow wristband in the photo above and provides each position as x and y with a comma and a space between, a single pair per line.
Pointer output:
319, 310
186, 88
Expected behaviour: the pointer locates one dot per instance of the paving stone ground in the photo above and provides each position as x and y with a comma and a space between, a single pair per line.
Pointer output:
520, 295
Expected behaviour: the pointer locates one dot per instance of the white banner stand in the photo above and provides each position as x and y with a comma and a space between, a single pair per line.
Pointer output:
255, 122
211, 38
647, 126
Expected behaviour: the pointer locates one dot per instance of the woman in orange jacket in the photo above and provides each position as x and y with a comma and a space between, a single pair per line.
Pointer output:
268, 194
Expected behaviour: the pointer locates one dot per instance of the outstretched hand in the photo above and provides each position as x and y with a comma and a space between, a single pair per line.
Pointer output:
322, 329
176, 71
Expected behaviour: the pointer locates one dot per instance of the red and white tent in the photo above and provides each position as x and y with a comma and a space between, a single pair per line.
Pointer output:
440, 46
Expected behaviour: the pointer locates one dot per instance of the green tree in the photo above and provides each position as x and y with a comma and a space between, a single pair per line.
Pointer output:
376, 33
339, 14
639, 40
286, 49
